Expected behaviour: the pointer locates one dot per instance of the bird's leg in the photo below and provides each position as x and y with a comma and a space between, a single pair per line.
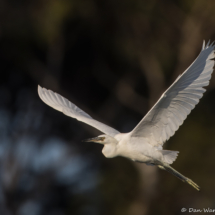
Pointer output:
171, 170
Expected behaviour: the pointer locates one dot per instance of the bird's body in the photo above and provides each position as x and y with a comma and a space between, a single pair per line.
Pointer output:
130, 148
145, 142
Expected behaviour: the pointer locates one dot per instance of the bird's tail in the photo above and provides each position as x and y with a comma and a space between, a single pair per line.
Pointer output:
169, 156
171, 170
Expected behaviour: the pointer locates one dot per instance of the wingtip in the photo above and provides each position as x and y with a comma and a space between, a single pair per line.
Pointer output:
39, 90
208, 45
203, 45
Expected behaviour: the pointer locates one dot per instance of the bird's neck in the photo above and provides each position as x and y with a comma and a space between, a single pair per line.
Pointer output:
110, 150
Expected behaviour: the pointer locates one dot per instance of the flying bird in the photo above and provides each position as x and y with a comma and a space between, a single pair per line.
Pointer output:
145, 142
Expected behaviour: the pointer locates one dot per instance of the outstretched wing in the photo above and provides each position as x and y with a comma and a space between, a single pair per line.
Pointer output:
165, 117
62, 104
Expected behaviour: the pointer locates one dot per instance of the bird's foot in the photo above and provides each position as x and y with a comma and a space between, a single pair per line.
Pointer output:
193, 184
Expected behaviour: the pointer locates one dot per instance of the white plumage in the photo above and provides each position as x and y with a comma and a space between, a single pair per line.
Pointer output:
165, 117
144, 143
62, 104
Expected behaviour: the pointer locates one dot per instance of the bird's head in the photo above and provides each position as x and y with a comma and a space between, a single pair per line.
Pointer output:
110, 143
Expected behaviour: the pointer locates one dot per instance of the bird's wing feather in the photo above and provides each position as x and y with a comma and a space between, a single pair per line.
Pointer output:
62, 104
165, 117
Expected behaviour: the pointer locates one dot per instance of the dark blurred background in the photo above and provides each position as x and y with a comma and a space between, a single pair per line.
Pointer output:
113, 59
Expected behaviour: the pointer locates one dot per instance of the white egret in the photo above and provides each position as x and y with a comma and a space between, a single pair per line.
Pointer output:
145, 142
